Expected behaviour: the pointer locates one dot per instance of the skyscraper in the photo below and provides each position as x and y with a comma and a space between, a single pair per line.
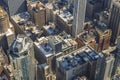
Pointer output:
4, 21
107, 67
16, 6
22, 58
115, 21
79, 16
6, 30
37, 11
107, 4
116, 68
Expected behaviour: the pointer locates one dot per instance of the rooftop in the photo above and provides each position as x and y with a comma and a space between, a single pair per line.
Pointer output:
55, 39
20, 45
87, 37
105, 14
21, 17
44, 47
77, 58
92, 29
66, 16
66, 42
24, 22
36, 5
51, 29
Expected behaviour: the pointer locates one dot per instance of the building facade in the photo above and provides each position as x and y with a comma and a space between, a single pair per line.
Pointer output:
18, 7
22, 58
115, 21
79, 16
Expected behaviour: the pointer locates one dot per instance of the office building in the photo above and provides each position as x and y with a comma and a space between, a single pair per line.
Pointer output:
49, 12
48, 48
22, 58
79, 16
43, 72
38, 13
6, 30
115, 21
56, 43
4, 61
18, 7
107, 67
82, 62
86, 39
64, 20
51, 29
116, 69
44, 53
96, 35
93, 7
24, 25
4, 21
107, 4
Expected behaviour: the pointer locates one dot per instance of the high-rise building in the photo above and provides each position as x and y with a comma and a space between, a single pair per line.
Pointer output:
22, 58
43, 72
56, 43
115, 21
6, 30
107, 4
4, 21
116, 69
93, 7
79, 16
16, 6
82, 62
107, 67
38, 13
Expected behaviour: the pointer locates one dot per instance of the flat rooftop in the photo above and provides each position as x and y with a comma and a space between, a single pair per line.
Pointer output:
87, 37
66, 42
77, 58
51, 29
21, 17
24, 22
44, 47
66, 16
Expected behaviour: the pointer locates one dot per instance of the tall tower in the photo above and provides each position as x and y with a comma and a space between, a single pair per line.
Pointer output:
16, 6
4, 21
116, 68
79, 16
115, 21
22, 58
